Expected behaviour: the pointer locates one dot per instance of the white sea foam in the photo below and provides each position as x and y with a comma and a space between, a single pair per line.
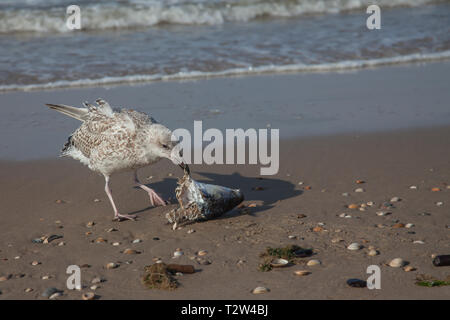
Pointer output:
324, 67
35, 16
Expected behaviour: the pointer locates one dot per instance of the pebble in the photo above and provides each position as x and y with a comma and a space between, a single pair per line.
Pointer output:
90, 224
359, 190
397, 263
353, 206
137, 241
28, 290
382, 213
49, 291
354, 246
337, 240
35, 263
260, 290
357, 283
100, 240
112, 265
313, 262
292, 237
395, 199
360, 181
439, 203
409, 268
398, 225
435, 189
3, 278
177, 253
409, 225
97, 280
373, 252
94, 287
190, 231
62, 243
88, 296
317, 229
302, 273
345, 194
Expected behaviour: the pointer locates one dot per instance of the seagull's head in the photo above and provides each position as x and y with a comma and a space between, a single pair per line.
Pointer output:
167, 146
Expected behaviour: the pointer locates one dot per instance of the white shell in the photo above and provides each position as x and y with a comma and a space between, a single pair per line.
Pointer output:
259, 290
395, 199
409, 225
397, 263
372, 252
178, 254
313, 262
276, 263
359, 190
354, 246
302, 273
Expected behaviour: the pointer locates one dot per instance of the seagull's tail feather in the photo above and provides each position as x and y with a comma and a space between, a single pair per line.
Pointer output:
77, 113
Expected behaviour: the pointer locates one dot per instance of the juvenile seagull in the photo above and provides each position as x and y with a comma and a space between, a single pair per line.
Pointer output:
110, 141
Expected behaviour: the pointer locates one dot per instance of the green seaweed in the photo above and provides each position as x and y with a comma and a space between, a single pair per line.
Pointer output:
432, 283
290, 253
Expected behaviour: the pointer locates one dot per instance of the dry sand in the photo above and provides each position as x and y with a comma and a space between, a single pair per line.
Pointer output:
389, 163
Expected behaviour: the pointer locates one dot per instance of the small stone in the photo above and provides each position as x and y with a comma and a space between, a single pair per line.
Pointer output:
51, 238
292, 237
409, 268
397, 263
112, 265
308, 188
409, 225
46, 277
317, 229
260, 290
382, 213
357, 283
94, 287
300, 183
155, 238
398, 225
313, 262
359, 190
435, 189
302, 273
202, 253
190, 231
395, 199
360, 181
177, 253
88, 296
370, 203
28, 290
203, 262
97, 280
3, 278
59, 201
62, 243
373, 252
100, 240
354, 246
362, 209
345, 194
90, 224
301, 216
353, 206
336, 240
439, 203
35, 263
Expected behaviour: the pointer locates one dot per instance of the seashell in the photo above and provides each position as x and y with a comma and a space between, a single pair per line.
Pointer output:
409, 268
111, 230
336, 240
88, 296
201, 201
51, 238
360, 181
382, 213
137, 241
413, 187
397, 263
395, 199
28, 290
35, 263
373, 252
313, 262
90, 224
277, 263
409, 225
302, 273
130, 251
359, 190
112, 265
202, 253
345, 194
418, 242
177, 254
100, 240
353, 206
190, 231
55, 295
354, 246
317, 229
94, 287
116, 244
439, 203
97, 200
260, 290
370, 203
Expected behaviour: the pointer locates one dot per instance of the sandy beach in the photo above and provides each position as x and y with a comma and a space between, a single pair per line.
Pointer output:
301, 205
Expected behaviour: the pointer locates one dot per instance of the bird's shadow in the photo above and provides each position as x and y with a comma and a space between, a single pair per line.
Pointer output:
261, 189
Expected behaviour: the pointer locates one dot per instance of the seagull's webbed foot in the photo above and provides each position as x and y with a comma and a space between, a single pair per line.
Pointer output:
120, 217
155, 200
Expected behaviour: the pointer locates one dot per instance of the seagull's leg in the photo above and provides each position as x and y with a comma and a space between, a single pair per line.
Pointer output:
117, 215
155, 200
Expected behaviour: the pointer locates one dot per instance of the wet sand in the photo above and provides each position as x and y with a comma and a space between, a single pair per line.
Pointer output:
388, 162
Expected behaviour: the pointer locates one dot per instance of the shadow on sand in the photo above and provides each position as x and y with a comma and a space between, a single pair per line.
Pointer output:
264, 189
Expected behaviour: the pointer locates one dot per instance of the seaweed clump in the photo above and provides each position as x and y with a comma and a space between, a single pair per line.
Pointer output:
292, 253
157, 276
429, 281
